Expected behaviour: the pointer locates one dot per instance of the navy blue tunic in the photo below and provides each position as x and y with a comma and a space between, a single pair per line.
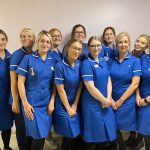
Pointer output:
6, 119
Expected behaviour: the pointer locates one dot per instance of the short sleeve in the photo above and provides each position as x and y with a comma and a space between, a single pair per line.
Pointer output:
15, 61
137, 68
59, 74
23, 67
87, 72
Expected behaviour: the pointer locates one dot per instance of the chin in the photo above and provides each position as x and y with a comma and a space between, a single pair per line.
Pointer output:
138, 50
45, 51
75, 58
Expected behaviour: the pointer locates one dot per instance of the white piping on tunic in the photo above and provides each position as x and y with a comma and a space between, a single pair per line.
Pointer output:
22, 69
59, 79
13, 65
87, 75
136, 70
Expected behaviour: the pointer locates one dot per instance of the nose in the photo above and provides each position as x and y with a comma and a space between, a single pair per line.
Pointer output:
123, 44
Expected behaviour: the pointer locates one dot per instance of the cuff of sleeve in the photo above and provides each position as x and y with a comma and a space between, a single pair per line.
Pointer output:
59, 81
137, 73
87, 78
21, 72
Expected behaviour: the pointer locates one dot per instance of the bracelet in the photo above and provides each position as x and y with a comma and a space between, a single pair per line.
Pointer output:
146, 101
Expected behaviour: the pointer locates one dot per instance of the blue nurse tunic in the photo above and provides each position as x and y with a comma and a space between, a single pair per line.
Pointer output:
98, 123
15, 60
144, 121
70, 77
38, 85
108, 52
57, 55
121, 76
6, 119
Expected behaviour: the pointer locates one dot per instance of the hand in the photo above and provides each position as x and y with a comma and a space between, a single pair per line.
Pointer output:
106, 103
113, 104
142, 103
28, 110
51, 107
16, 107
74, 107
71, 112
118, 103
138, 98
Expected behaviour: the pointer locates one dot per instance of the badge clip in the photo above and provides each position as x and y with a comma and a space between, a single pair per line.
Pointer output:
32, 72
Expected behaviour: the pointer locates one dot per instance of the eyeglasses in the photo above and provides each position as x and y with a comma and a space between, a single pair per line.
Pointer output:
79, 32
95, 46
56, 36
74, 48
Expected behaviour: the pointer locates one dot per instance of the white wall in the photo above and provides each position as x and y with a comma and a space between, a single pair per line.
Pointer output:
125, 15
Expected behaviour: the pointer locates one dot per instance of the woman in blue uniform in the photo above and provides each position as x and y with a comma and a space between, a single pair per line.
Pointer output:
108, 48
68, 83
27, 38
143, 97
125, 72
57, 55
79, 33
97, 115
6, 119
57, 39
35, 89
140, 47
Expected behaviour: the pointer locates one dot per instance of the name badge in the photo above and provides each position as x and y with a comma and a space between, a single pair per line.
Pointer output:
52, 68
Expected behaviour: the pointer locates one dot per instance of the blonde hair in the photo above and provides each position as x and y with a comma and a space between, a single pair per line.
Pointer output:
43, 32
4, 33
121, 35
28, 30
51, 31
148, 41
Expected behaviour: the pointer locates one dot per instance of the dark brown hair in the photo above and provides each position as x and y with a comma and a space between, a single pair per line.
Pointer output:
108, 28
74, 28
2, 32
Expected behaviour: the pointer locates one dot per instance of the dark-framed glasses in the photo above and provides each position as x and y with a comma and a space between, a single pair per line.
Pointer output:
75, 49
95, 46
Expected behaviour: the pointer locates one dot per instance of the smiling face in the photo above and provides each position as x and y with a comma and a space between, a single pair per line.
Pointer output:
123, 44
109, 36
79, 33
27, 39
44, 43
141, 44
3, 41
74, 50
57, 38
95, 48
